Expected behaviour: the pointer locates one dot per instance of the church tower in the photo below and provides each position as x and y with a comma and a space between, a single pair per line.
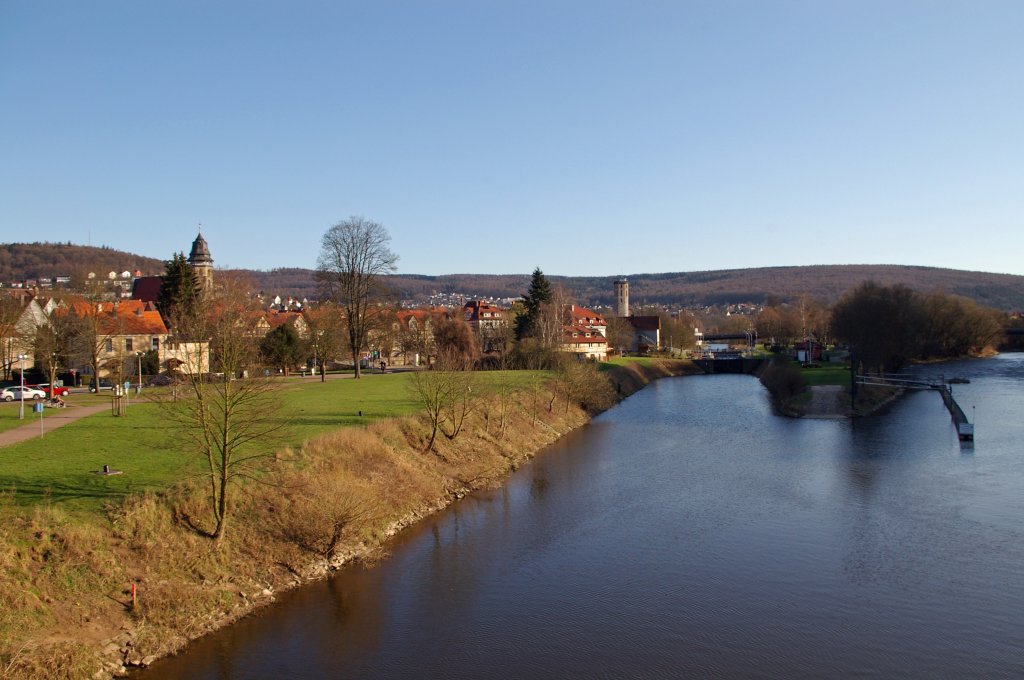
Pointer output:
202, 263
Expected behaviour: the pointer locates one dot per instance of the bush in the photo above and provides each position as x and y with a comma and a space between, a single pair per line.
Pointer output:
782, 379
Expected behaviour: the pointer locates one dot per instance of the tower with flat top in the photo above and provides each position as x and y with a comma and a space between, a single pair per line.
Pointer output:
622, 298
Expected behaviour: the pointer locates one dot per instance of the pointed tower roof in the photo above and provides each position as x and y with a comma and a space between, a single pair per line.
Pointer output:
200, 251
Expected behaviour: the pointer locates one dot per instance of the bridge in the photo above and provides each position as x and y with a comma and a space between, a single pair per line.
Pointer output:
964, 428
727, 362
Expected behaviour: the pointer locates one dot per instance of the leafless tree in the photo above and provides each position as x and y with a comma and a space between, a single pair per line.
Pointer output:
10, 312
326, 325
581, 383
231, 414
619, 333
354, 257
453, 336
446, 394
91, 325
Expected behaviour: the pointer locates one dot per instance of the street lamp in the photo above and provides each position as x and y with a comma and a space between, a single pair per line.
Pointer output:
138, 360
21, 410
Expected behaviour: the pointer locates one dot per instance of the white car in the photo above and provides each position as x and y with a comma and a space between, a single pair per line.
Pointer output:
15, 393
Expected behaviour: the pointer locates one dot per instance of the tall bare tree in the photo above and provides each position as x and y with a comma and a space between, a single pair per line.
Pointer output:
10, 312
326, 325
91, 325
231, 414
354, 256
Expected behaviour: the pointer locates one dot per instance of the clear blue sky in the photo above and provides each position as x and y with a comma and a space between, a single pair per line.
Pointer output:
586, 138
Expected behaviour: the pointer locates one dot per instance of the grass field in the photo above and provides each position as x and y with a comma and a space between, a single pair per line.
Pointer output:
826, 375
9, 415
622, 361
152, 454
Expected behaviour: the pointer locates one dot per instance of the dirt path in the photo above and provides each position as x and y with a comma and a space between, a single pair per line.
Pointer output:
826, 402
52, 419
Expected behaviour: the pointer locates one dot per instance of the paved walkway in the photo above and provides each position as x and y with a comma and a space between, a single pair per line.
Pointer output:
52, 419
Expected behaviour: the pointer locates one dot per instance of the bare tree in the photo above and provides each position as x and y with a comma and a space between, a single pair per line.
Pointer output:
446, 394
619, 333
581, 383
354, 257
91, 328
10, 312
229, 415
453, 336
504, 392
326, 326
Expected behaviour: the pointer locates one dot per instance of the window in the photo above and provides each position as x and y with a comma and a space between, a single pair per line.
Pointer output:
108, 345
127, 344
156, 344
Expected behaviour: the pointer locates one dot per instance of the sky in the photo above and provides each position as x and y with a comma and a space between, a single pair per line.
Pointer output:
585, 138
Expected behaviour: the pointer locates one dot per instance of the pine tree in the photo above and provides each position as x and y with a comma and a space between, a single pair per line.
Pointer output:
179, 290
538, 295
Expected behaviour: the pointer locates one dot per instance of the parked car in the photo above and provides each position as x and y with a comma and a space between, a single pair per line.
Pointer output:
58, 391
15, 393
160, 381
104, 385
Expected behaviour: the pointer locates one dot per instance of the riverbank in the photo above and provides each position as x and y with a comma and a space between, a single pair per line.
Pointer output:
67, 583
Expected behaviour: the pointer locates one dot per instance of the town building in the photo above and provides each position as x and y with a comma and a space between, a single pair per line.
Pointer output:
490, 323
583, 334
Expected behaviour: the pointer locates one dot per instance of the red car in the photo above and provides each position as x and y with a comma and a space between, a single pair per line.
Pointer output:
58, 391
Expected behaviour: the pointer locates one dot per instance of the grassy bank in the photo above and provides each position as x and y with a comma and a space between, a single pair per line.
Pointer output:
332, 493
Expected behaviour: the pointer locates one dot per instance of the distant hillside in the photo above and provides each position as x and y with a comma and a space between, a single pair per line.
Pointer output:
26, 261
825, 282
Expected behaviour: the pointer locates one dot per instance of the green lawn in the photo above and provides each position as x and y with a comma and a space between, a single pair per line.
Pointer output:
622, 361
9, 415
826, 375
145, 445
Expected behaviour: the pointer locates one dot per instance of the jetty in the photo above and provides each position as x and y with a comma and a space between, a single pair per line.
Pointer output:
964, 428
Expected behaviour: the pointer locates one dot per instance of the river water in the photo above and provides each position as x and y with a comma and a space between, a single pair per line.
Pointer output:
690, 532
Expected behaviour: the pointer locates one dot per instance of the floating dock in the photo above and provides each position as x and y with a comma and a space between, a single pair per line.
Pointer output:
964, 428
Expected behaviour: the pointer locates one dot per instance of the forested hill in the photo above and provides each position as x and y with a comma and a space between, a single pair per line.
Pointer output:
827, 283
28, 261
824, 282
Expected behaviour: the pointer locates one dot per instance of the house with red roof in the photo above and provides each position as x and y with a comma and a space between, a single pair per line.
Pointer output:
489, 321
583, 333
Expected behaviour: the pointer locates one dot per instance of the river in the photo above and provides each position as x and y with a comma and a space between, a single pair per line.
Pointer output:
690, 532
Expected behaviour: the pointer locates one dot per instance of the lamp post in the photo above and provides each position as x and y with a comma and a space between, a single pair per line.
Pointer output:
21, 409
138, 360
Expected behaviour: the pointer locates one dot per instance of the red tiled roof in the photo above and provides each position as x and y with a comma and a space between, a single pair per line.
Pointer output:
475, 310
582, 315
278, 319
125, 317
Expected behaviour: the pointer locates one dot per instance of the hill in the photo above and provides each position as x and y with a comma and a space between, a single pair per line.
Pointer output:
27, 261
19, 262
824, 282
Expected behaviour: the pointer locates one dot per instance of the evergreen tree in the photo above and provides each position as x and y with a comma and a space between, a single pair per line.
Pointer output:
179, 290
538, 295
282, 347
